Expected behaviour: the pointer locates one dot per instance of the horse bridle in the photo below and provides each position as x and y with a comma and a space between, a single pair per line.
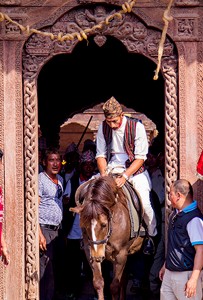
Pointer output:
104, 241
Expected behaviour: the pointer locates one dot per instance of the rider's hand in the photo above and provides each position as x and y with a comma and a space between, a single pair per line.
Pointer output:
104, 174
120, 181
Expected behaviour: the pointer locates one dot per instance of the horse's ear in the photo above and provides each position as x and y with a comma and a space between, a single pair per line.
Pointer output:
79, 194
76, 209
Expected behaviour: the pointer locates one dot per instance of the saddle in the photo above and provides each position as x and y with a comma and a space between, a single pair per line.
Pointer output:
138, 226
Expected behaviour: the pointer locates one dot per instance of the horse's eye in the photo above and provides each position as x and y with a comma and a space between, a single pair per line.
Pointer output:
103, 225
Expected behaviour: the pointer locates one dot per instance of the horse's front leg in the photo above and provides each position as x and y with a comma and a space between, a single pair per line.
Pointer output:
123, 285
98, 280
117, 288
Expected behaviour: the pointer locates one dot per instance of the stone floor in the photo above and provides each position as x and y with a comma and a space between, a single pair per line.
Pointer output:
140, 265
88, 293
142, 294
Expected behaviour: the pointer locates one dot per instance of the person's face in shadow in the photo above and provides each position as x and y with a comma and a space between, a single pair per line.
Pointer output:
87, 169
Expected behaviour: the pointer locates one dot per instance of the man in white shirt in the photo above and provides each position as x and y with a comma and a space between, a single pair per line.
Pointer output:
122, 147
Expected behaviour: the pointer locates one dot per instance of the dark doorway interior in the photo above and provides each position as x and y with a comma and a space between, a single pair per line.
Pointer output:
70, 83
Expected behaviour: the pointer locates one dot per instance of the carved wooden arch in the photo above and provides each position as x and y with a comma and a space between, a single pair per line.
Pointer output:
137, 38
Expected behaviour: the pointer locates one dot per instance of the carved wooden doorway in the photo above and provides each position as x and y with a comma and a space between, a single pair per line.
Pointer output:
137, 37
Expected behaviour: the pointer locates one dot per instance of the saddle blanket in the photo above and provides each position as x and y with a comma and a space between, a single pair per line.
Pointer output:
135, 211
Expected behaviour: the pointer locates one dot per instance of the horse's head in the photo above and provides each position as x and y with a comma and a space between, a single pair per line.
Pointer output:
96, 232
97, 235
96, 215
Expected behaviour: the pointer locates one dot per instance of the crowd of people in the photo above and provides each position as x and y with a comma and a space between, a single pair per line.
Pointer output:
121, 147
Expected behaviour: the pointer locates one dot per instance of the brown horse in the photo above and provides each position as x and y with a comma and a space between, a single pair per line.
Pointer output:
105, 220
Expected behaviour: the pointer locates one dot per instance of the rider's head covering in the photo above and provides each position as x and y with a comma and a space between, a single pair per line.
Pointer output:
112, 108
89, 145
71, 148
87, 156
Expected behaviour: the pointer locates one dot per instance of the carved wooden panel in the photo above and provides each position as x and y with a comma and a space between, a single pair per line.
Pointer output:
186, 27
10, 30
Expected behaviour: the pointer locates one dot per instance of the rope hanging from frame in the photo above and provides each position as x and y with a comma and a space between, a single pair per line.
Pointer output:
166, 18
126, 8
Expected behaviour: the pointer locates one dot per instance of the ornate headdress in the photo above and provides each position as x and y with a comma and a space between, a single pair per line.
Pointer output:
112, 108
87, 156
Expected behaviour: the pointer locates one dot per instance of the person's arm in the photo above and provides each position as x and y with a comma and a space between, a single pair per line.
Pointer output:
161, 272
4, 251
191, 284
101, 150
102, 165
42, 240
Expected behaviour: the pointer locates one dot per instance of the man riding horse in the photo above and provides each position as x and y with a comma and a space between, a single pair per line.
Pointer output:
122, 147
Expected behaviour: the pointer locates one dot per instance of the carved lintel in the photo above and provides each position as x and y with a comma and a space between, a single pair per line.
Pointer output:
10, 2
187, 2
84, 1
98, 1
39, 45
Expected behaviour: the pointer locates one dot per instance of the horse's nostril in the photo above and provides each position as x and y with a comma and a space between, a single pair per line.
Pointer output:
97, 259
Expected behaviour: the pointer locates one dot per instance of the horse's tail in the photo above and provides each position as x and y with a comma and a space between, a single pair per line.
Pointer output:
80, 192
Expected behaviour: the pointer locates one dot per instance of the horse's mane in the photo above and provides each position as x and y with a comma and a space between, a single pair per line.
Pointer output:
101, 195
